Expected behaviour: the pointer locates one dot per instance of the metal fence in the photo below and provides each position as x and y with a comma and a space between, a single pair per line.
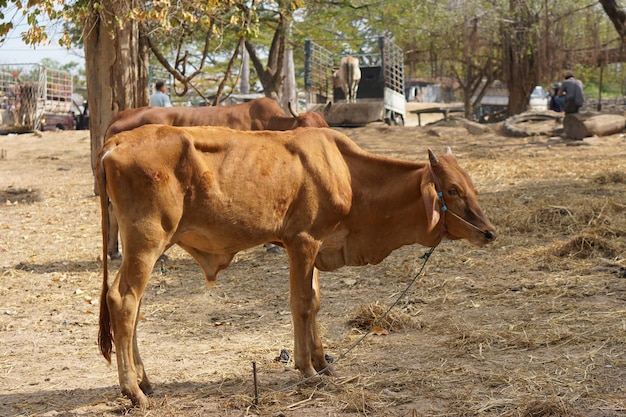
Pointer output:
28, 91
393, 64
318, 72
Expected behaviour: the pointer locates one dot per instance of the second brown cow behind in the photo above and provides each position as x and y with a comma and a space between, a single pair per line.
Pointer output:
260, 114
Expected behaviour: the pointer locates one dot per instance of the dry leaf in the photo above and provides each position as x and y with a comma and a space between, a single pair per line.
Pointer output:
379, 331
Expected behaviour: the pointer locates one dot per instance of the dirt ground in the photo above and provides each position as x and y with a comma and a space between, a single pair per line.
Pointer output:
531, 325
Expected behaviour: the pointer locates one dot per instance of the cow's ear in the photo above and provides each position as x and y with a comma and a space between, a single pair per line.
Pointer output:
429, 196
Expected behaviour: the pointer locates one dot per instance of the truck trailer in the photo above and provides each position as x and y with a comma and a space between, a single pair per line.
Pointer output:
34, 97
380, 95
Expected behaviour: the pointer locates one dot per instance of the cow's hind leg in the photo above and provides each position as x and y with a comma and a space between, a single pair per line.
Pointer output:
113, 230
144, 383
124, 299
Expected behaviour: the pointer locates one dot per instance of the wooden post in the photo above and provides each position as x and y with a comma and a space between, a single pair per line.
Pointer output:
599, 106
256, 385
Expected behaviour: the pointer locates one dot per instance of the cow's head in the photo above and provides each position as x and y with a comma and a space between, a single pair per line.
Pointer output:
310, 118
451, 202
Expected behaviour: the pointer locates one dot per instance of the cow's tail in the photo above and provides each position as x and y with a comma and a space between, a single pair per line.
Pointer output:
105, 338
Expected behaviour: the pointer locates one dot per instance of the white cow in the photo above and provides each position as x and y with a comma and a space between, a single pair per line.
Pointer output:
350, 75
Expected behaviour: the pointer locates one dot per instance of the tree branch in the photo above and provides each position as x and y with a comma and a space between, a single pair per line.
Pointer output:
229, 70
617, 16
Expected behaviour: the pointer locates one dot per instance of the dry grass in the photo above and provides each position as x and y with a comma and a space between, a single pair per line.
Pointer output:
613, 177
592, 243
379, 315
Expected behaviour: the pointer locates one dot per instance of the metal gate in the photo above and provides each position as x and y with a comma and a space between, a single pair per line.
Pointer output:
318, 73
28, 92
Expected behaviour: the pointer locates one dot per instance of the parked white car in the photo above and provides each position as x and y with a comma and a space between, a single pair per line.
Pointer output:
539, 99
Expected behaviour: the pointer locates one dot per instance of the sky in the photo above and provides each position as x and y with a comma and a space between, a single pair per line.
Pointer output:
14, 51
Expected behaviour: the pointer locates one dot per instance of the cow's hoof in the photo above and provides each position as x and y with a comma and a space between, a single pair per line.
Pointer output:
272, 248
139, 400
115, 255
326, 368
313, 379
330, 371
146, 387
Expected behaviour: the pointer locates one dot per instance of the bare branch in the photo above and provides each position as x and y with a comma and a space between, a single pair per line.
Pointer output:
228, 71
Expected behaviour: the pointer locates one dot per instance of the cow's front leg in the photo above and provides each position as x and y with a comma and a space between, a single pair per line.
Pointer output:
304, 303
317, 349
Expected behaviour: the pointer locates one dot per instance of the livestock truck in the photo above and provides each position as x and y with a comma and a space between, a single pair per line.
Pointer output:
33, 97
380, 95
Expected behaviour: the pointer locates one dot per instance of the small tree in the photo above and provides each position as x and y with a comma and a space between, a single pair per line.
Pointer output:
478, 68
271, 76
520, 47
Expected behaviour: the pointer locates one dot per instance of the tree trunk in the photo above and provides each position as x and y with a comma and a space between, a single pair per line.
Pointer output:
290, 93
271, 75
520, 46
582, 125
117, 69
244, 86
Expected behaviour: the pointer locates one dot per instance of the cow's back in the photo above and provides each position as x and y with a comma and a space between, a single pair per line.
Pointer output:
254, 115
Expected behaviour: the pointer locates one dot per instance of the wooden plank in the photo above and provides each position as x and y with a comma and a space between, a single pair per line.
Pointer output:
445, 111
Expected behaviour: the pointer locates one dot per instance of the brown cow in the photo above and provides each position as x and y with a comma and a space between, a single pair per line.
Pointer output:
215, 191
260, 114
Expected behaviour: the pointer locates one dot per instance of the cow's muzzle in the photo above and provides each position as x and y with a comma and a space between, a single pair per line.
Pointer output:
490, 236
